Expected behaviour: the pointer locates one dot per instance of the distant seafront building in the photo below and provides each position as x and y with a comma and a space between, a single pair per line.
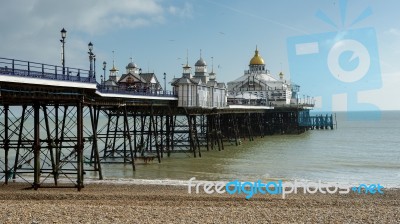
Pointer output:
258, 87
200, 90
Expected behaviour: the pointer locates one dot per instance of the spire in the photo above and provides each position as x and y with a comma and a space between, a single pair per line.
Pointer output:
113, 59
113, 67
212, 74
113, 71
187, 59
212, 64
200, 53
281, 75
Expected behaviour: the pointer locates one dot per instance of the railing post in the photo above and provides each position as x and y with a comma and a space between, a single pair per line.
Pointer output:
67, 75
42, 69
29, 68
13, 66
67, 72
55, 71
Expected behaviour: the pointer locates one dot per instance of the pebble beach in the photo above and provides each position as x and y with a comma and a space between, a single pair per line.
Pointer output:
123, 203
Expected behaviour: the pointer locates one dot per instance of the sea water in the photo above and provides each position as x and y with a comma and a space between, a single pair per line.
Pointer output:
362, 151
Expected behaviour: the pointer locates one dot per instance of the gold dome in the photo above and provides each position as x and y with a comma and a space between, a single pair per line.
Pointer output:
113, 69
257, 59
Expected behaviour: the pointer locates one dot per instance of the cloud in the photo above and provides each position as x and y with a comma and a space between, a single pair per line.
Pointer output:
30, 30
186, 11
89, 16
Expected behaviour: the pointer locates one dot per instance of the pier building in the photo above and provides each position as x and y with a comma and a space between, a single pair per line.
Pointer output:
133, 80
257, 86
200, 90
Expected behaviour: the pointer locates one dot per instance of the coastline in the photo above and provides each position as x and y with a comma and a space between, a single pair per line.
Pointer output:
151, 203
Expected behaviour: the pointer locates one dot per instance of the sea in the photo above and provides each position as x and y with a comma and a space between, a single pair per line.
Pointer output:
357, 151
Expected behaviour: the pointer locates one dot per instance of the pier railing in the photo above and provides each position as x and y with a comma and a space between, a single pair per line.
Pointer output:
138, 92
29, 69
317, 121
252, 102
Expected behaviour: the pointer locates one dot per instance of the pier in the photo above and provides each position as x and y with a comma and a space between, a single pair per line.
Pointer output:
60, 123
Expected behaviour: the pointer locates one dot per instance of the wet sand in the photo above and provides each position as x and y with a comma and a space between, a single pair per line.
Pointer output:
116, 203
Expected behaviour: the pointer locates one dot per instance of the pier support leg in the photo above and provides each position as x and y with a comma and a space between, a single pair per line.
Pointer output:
128, 135
57, 142
36, 147
79, 145
6, 143
154, 123
106, 144
21, 128
49, 141
94, 118
196, 137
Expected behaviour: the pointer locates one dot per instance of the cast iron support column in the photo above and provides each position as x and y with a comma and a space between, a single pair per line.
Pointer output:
6, 142
57, 142
155, 134
49, 141
36, 147
21, 127
128, 134
94, 117
79, 145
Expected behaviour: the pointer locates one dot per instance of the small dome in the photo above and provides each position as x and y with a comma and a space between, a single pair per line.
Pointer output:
257, 59
131, 65
281, 75
200, 62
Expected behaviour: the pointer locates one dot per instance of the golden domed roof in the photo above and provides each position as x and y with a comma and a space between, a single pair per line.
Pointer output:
113, 69
257, 59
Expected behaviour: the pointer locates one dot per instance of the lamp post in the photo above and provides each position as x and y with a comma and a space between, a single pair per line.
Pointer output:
63, 36
104, 72
91, 56
165, 83
94, 67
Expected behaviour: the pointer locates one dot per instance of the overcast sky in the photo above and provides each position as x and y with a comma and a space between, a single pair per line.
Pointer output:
157, 34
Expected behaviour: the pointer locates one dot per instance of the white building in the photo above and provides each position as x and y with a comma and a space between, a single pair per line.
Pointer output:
258, 86
200, 90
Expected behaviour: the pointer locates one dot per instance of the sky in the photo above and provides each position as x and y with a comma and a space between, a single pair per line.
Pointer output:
160, 35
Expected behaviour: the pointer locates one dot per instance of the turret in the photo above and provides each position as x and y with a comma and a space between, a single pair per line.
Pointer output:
201, 70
